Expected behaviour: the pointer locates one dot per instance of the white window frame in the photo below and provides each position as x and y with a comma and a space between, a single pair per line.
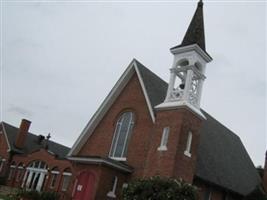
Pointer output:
164, 139
19, 174
53, 181
65, 186
111, 193
187, 151
117, 136
12, 171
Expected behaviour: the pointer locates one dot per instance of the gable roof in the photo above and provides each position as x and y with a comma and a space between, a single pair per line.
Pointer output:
147, 80
31, 143
222, 159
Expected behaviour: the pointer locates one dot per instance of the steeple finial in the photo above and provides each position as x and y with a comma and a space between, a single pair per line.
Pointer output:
195, 33
200, 3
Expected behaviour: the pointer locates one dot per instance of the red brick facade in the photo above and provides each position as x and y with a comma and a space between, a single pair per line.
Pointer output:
52, 162
131, 98
4, 155
142, 154
173, 162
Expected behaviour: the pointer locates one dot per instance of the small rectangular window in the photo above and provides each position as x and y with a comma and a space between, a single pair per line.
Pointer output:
187, 151
11, 173
164, 139
53, 180
66, 181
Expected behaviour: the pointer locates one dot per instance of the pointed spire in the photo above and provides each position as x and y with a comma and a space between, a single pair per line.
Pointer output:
195, 32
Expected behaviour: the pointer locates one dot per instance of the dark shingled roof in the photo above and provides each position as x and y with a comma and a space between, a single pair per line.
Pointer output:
156, 88
195, 33
31, 143
222, 159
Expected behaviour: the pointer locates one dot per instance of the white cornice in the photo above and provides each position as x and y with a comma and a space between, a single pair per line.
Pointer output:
193, 47
180, 104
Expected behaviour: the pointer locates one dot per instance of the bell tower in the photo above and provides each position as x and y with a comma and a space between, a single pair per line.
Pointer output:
173, 147
187, 73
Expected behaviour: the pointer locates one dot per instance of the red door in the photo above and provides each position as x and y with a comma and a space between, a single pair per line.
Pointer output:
84, 186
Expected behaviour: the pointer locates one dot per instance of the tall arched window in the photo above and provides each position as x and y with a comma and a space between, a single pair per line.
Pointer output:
122, 136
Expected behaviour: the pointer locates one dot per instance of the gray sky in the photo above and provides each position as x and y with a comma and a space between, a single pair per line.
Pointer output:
60, 60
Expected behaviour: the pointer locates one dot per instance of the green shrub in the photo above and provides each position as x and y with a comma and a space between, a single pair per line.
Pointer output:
156, 188
34, 195
49, 196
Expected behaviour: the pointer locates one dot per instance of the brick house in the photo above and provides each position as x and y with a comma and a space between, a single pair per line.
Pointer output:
147, 127
33, 162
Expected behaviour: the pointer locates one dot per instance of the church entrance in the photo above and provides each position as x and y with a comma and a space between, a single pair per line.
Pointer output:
84, 186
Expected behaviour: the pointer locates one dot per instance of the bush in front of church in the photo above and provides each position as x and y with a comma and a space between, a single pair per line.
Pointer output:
156, 188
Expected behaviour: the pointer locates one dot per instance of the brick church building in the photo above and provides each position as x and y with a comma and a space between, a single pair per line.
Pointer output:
145, 127
33, 162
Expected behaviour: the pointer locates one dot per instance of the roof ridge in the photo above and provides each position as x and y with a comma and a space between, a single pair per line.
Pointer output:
35, 135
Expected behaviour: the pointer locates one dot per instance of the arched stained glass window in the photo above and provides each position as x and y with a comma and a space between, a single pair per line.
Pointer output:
122, 136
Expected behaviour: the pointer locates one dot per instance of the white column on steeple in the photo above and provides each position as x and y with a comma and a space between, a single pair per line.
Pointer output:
171, 84
188, 82
190, 59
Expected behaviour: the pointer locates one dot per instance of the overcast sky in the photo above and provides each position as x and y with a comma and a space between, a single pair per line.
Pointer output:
60, 60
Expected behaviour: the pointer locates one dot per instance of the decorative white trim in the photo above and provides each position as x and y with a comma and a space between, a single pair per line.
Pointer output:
164, 139
162, 148
36, 169
188, 154
188, 144
55, 172
180, 104
67, 174
118, 158
107, 103
193, 47
99, 161
111, 193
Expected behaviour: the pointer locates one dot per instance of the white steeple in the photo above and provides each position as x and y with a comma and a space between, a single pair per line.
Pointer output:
187, 73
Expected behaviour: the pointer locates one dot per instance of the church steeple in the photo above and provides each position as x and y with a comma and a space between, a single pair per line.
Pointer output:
195, 33
187, 74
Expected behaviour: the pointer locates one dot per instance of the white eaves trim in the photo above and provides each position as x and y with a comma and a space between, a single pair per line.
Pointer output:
193, 47
180, 104
107, 103
99, 161
8, 143
145, 92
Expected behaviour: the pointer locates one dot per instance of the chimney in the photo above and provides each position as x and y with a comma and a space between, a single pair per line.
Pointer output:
22, 133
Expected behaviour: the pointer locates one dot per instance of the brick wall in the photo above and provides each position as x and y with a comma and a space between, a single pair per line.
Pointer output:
3, 152
173, 162
99, 143
52, 162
